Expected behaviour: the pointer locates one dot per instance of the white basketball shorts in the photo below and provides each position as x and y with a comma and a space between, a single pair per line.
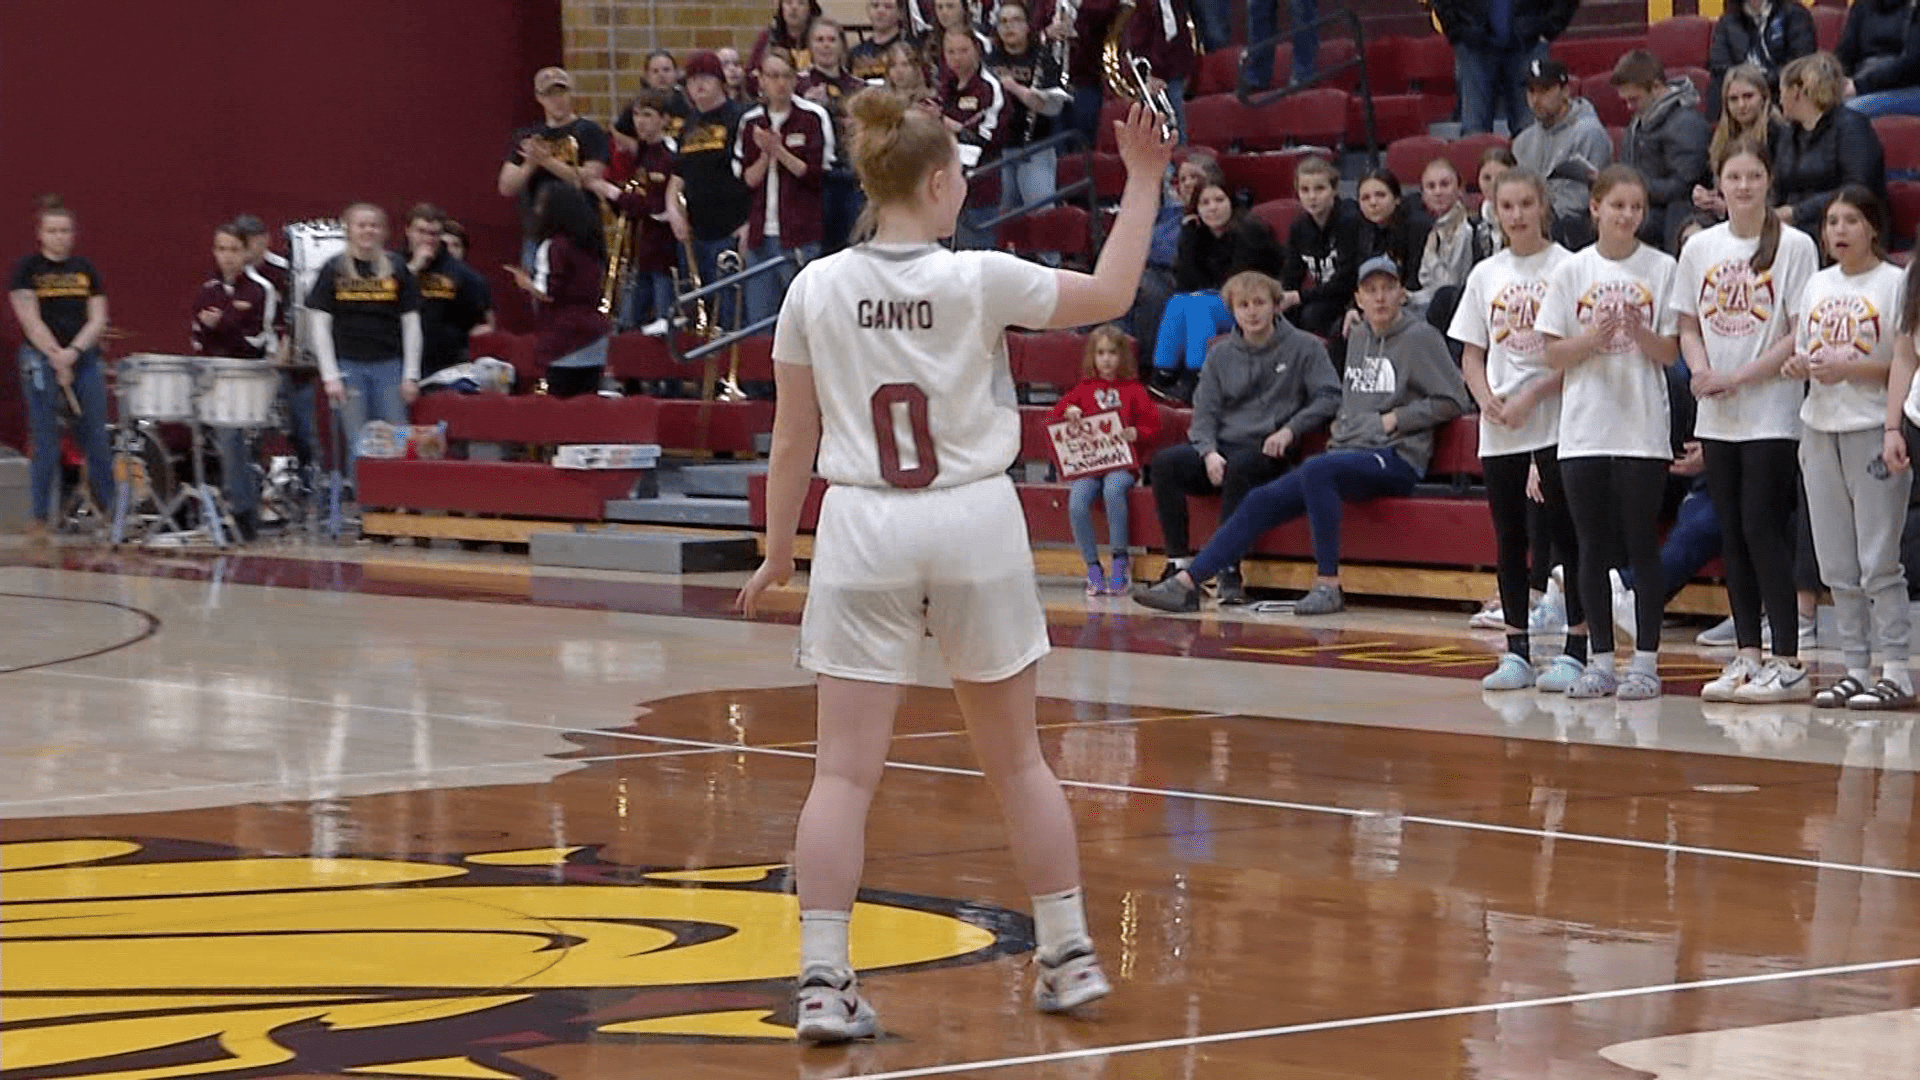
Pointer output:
890, 565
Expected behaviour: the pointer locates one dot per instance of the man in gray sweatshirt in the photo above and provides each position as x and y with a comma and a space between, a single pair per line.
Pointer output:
1261, 391
1568, 147
1401, 385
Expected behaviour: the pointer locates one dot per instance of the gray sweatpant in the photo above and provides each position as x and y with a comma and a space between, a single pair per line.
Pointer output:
1857, 509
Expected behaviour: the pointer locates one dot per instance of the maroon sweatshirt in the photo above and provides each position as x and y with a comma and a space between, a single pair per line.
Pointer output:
245, 304
807, 133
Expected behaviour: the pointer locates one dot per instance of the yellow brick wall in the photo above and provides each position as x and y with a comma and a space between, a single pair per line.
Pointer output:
607, 41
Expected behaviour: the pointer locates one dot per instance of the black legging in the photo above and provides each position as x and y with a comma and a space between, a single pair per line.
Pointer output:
1506, 479
1754, 487
1180, 471
1615, 502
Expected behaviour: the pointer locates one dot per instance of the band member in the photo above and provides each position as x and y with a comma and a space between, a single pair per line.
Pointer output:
299, 382
974, 106
643, 176
1036, 94
61, 306
455, 302
907, 77
663, 76
365, 312
1161, 33
829, 83
232, 319
454, 235
788, 30
783, 151
734, 74
868, 60
707, 203
542, 155
568, 272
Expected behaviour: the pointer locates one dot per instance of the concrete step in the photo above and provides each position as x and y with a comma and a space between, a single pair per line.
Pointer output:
644, 552
711, 479
678, 509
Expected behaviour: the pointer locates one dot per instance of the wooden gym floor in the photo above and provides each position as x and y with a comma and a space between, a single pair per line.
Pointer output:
414, 814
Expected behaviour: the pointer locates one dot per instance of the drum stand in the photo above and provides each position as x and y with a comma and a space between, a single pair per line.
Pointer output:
216, 520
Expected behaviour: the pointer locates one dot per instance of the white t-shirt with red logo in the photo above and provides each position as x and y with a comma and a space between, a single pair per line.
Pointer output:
1856, 318
1614, 403
1741, 313
1497, 309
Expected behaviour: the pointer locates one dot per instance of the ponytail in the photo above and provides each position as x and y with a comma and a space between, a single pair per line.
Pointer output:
1762, 260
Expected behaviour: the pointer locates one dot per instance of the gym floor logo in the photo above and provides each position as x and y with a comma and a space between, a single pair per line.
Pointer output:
161, 959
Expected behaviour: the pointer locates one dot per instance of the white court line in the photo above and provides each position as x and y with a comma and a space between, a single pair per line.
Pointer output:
1387, 1018
947, 770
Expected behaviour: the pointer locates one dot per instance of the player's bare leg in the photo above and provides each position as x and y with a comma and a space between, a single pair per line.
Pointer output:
1000, 719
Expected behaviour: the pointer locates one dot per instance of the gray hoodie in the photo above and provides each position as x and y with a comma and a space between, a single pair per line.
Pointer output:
1407, 371
1567, 154
1247, 392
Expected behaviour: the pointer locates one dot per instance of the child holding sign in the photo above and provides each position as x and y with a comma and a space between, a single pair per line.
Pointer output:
1109, 383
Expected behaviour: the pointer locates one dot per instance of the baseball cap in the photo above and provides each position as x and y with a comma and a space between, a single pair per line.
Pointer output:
705, 62
551, 78
1546, 71
1379, 264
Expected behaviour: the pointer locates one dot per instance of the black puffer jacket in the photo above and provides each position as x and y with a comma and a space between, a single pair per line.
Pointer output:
1810, 165
1469, 22
1788, 35
1400, 239
1206, 261
1875, 29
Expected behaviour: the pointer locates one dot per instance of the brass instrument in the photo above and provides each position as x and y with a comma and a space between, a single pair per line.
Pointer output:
1129, 77
619, 245
728, 263
702, 321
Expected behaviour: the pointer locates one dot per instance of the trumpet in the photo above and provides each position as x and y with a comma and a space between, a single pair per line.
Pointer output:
1130, 77
1068, 12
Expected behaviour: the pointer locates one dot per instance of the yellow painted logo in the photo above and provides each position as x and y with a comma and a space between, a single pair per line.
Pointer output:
142, 961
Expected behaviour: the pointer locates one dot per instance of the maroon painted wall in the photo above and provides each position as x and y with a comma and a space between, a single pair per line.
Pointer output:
157, 120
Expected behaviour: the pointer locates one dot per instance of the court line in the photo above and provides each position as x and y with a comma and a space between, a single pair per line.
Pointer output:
152, 622
1129, 789
1379, 1019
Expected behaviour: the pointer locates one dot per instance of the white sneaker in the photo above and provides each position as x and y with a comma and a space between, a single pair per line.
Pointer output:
1739, 672
1777, 681
1490, 617
831, 1009
1071, 981
656, 328
1721, 634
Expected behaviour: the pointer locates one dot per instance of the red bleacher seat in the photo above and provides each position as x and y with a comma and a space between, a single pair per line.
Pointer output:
515, 488
1900, 140
1701, 78
1264, 176
1618, 135
1109, 173
1395, 116
1596, 55
1062, 228
1407, 158
1217, 72
1680, 41
634, 355
515, 349
1103, 135
1309, 118
1465, 153
539, 419
1599, 90
1385, 73
1047, 358
1828, 24
1904, 195
1279, 215
1427, 64
1219, 121
730, 426
1331, 54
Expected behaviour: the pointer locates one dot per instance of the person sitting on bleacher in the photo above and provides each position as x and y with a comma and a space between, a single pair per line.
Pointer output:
1386, 228
1768, 34
1746, 114
1569, 146
1322, 252
1401, 384
1666, 140
1262, 391
1156, 283
1891, 88
1220, 241
1874, 35
1110, 382
1446, 256
1825, 147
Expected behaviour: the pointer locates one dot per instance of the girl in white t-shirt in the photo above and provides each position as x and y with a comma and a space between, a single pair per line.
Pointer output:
891, 366
1505, 365
1731, 292
1608, 328
1856, 503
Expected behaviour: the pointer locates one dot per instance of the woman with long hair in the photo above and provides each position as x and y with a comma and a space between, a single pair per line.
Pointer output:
569, 268
1746, 115
1506, 368
787, 30
1732, 289
890, 358
1218, 241
365, 313
61, 306
1857, 504
1610, 333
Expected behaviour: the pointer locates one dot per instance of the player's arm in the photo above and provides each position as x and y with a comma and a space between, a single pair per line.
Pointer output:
796, 441
1106, 293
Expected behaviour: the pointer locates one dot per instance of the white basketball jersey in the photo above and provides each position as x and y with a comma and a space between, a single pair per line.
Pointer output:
909, 357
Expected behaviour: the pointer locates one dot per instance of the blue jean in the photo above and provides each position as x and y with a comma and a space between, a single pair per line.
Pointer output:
1494, 82
373, 393
1318, 488
42, 391
1082, 114
1188, 323
649, 296
1027, 182
1263, 22
841, 203
708, 253
237, 480
766, 291
1112, 488
1693, 542
1902, 102
301, 398
969, 233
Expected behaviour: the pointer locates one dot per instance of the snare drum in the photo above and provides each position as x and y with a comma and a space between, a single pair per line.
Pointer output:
158, 388
238, 393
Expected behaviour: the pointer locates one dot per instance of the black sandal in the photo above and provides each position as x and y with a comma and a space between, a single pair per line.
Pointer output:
1839, 694
1883, 696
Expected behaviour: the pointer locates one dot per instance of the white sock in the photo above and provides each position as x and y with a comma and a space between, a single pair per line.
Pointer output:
823, 940
1646, 663
1601, 661
1059, 920
1861, 676
1898, 675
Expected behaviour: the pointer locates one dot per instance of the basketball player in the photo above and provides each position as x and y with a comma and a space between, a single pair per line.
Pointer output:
891, 363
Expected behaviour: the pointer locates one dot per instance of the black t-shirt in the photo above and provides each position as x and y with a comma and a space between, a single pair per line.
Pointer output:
453, 300
62, 289
366, 310
717, 201
594, 146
